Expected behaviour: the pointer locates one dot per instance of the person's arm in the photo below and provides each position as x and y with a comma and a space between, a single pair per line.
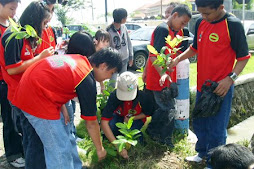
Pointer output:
65, 114
130, 48
240, 46
109, 134
86, 92
20, 69
137, 117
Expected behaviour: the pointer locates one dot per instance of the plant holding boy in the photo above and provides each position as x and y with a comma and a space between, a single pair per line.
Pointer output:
156, 76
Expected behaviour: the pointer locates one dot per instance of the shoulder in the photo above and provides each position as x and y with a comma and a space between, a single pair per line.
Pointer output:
163, 27
110, 27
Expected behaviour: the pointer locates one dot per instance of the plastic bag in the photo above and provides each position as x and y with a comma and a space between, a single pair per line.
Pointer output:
209, 103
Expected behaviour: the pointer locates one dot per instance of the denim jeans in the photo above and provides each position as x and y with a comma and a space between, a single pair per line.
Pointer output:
212, 131
137, 124
59, 145
12, 140
113, 79
32, 145
70, 106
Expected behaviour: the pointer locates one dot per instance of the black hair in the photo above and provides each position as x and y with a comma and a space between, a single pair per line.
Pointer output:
102, 35
174, 4
4, 2
34, 15
182, 9
231, 156
213, 4
63, 2
119, 14
109, 56
81, 43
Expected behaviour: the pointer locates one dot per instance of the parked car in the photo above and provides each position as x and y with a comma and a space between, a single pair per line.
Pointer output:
249, 31
134, 26
140, 39
81, 27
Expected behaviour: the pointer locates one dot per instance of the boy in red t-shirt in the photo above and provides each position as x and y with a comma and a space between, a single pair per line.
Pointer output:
219, 40
153, 74
126, 101
12, 140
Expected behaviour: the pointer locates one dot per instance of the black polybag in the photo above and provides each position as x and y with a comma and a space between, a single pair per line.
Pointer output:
209, 103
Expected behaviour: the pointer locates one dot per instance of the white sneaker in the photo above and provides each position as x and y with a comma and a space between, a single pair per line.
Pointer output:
195, 158
81, 151
18, 163
79, 139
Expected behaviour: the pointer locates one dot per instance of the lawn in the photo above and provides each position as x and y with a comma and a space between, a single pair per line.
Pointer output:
249, 68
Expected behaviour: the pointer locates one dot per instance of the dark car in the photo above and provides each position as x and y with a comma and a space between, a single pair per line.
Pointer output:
140, 39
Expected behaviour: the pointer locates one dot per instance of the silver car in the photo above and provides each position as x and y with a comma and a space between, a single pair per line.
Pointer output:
249, 31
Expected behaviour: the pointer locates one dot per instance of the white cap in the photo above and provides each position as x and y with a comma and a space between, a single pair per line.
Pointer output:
127, 86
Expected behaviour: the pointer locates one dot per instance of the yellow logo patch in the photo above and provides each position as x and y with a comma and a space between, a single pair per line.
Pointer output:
51, 39
214, 37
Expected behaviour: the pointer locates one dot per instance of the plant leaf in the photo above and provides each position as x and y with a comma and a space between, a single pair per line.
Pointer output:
121, 125
130, 121
134, 132
111, 151
152, 50
20, 35
121, 147
132, 142
30, 31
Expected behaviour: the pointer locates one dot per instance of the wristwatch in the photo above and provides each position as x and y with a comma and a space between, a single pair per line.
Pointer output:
233, 76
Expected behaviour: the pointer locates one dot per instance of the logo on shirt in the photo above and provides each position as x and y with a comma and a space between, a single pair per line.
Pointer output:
51, 39
214, 37
27, 51
59, 61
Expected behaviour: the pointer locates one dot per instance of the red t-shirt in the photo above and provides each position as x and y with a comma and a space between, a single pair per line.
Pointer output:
2, 29
12, 56
218, 44
48, 39
50, 83
158, 41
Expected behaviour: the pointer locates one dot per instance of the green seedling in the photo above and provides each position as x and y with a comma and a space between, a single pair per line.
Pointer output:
129, 136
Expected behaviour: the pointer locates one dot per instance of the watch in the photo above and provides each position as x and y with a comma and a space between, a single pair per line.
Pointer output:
233, 76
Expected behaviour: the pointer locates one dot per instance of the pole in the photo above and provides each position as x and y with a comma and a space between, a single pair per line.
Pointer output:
243, 12
161, 8
92, 10
106, 11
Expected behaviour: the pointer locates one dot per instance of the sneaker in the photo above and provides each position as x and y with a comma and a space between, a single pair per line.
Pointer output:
81, 151
18, 163
195, 158
79, 139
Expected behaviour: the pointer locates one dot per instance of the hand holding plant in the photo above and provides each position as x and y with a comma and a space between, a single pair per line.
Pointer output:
129, 136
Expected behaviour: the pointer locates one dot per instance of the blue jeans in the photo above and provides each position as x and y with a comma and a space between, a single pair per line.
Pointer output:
137, 124
12, 140
113, 79
32, 145
59, 145
212, 131
70, 106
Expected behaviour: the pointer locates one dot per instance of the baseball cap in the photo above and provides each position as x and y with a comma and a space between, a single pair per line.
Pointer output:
127, 86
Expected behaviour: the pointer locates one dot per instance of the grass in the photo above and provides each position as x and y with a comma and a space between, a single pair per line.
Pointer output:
249, 68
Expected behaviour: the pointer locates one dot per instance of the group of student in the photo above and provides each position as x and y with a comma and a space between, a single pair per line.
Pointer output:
37, 123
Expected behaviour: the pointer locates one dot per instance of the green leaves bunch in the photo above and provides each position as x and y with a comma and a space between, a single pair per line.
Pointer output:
19, 32
163, 59
129, 136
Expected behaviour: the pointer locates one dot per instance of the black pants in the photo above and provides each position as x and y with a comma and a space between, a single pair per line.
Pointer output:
12, 140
